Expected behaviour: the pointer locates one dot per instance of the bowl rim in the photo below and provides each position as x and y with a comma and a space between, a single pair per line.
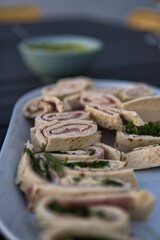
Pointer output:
99, 45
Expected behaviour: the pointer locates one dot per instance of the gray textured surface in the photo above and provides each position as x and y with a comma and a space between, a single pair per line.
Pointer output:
16, 222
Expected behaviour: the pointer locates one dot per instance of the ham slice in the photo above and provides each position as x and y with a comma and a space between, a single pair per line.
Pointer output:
66, 135
51, 117
68, 86
41, 105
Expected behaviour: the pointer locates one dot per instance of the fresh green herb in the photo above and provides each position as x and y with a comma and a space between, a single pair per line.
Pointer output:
111, 182
150, 129
77, 179
60, 152
78, 210
37, 164
93, 164
53, 163
42, 166
99, 164
157, 144
91, 153
65, 161
33, 112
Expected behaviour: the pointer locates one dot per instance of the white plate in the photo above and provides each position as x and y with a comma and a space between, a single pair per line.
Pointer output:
16, 223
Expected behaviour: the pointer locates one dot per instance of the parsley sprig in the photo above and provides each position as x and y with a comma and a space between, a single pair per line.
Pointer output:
84, 211
93, 164
150, 129
44, 166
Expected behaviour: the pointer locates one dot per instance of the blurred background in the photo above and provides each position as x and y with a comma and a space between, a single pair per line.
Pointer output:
110, 10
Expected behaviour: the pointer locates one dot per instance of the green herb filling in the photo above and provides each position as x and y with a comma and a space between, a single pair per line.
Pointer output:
149, 129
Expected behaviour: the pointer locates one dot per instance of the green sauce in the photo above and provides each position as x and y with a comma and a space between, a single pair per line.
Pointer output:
57, 47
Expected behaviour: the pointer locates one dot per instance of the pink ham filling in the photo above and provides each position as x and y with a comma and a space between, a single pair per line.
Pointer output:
61, 117
65, 130
102, 110
101, 101
122, 201
71, 130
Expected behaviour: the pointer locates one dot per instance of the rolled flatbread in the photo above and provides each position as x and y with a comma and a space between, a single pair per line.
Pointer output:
110, 152
51, 117
98, 99
114, 172
148, 108
71, 103
57, 212
127, 142
113, 90
41, 105
96, 151
31, 172
112, 118
138, 203
67, 135
68, 86
47, 171
143, 157
83, 232
135, 91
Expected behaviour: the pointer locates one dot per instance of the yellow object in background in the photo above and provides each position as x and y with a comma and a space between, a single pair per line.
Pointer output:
20, 13
144, 19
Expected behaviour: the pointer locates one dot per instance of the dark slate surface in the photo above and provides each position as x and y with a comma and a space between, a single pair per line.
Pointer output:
127, 56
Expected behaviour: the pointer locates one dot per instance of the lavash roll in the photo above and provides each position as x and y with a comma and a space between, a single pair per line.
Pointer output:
127, 142
41, 105
96, 151
109, 152
26, 176
143, 157
113, 90
50, 117
112, 118
85, 154
83, 232
148, 108
90, 167
100, 99
67, 135
135, 91
68, 86
114, 172
138, 203
118, 219
72, 103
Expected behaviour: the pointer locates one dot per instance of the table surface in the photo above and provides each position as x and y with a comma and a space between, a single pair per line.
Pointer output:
127, 56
